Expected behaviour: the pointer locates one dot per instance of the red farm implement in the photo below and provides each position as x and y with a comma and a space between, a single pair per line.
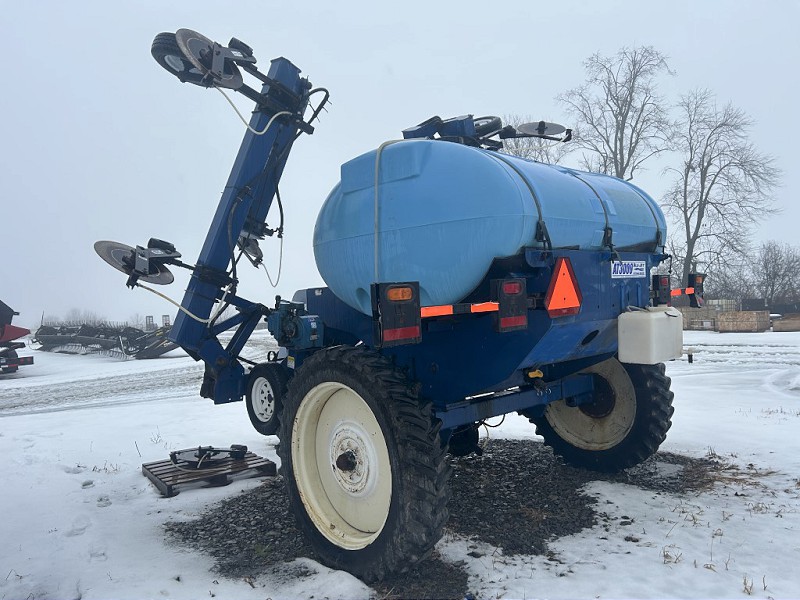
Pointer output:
10, 362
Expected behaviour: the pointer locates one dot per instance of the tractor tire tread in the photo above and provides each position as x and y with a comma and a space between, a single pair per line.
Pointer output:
423, 513
654, 412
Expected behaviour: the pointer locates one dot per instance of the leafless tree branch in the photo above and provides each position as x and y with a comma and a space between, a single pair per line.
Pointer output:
537, 149
723, 186
619, 117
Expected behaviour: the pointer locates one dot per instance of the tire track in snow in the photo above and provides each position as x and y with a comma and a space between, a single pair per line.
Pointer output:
135, 388
119, 389
780, 363
747, 354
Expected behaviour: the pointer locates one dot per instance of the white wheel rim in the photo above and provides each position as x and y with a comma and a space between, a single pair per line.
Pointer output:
175, 62
263, 399
597, 433
340, 462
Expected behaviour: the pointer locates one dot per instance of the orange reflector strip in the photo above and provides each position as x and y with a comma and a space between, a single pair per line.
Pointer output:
436, 311
484, 307
453, 309
563, 296
402, 333
397, 294
678, 292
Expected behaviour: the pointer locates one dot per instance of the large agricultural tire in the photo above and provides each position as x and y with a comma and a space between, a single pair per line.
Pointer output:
363, 462
9, 370
624, 426
264, 396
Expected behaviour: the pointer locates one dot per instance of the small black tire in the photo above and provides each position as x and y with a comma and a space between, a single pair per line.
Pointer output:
623, 427
364, 465
14, 369
487, 125
168, 54
264, 396
464, 441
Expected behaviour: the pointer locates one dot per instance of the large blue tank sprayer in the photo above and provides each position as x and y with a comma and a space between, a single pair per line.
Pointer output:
443, 209
462, 284
421, 210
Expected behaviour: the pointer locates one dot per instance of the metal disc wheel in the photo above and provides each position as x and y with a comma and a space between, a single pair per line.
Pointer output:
623, 426
199, 50
363, 462
266, 390
345, 475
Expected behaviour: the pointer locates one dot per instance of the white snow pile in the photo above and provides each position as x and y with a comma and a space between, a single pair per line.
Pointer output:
80, 521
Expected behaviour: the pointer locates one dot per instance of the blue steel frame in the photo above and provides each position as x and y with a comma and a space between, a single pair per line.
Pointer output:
471, 371
247, 197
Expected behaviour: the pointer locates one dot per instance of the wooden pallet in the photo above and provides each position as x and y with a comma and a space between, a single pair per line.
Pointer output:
167, 477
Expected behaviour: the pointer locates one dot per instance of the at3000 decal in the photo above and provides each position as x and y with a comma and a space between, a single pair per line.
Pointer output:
628, 268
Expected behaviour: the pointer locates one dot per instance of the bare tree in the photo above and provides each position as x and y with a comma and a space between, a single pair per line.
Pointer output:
136, 320
776, 272
88, 317
722, 187
620, 119
545, 151
729, 280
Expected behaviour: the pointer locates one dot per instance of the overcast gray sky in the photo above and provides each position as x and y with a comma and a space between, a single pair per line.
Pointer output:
99, 142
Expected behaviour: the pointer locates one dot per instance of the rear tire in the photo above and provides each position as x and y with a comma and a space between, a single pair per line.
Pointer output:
363, 462
623, 427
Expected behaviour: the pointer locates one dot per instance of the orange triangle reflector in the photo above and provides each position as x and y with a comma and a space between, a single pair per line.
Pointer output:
563, 295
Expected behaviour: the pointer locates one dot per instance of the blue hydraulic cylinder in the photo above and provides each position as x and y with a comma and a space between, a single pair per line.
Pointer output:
245, 203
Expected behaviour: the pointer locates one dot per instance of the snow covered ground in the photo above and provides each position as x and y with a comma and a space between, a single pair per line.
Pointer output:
80, 521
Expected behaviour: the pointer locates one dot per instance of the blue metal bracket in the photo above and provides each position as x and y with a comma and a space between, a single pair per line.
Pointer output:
485, 407
243, 208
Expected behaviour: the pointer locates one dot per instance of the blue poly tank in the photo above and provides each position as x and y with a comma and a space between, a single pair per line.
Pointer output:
442, 212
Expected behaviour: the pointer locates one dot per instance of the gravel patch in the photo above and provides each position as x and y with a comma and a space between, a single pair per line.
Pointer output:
517, 496
247, 533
